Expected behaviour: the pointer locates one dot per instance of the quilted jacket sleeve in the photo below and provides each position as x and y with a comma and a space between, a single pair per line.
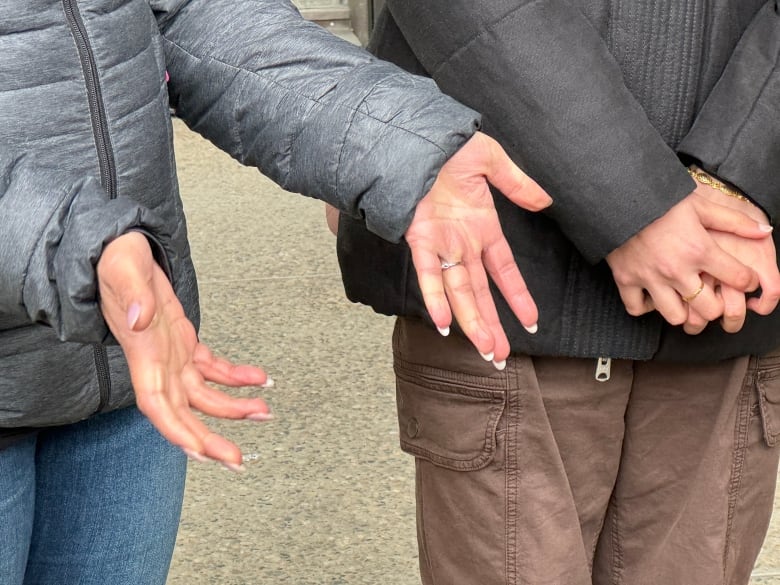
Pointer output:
737, 132
54, 228
318, 115
554, 96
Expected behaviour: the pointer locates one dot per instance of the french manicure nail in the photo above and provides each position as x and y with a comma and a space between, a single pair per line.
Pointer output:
234, 467
195, 456
260, 416
133, 313
500, 365
488, 357
532, 329
445, 331
765, 227
269, 383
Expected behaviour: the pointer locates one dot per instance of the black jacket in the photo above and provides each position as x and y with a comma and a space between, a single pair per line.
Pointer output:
603, 102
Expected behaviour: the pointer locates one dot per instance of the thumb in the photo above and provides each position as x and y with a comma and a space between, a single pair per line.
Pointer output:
507, 177
126, 276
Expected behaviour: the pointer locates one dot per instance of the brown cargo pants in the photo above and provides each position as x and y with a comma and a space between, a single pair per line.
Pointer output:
541, 475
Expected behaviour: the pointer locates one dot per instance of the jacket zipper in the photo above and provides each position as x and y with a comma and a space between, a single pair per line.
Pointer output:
603, 369
106, 162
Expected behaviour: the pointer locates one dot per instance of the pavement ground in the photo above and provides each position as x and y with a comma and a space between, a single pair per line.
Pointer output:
328, 497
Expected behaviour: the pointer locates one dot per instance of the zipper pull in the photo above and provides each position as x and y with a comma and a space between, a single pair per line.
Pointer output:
603, 368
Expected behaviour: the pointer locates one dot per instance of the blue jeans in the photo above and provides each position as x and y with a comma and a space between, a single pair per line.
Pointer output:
93, 503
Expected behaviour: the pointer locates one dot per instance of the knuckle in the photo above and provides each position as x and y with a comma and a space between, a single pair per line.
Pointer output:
461, 288
675, 317
743, 279
635, 309
506, 270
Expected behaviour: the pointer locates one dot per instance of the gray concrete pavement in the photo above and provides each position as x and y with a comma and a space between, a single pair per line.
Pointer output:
327, 498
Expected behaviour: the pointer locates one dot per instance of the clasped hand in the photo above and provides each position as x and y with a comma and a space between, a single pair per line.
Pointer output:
697, 263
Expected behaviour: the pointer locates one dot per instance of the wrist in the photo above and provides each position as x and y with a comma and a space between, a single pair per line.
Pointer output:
703, 177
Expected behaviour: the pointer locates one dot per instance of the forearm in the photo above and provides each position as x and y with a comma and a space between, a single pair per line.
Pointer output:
316, 114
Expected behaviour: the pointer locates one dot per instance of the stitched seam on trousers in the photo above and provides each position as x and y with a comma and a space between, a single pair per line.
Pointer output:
421, 520
741, 430
511, 469
770, 436
595, 544
617, 551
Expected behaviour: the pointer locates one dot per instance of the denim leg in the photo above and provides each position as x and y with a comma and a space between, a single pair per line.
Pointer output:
17, 502
109, 494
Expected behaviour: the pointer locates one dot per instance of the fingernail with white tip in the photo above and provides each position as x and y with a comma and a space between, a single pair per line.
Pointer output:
488, 357
195, 456
445, 331
234, 467
260, 416
500, 365
765, 227
532, 329
269, 383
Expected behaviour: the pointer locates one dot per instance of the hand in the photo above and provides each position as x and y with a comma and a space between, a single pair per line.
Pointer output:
332, 218
169, 368
760, 254
457, 222
667, 258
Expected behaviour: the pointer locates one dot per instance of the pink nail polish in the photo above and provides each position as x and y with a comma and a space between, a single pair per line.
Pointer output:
260, 416
195, 456
133, 313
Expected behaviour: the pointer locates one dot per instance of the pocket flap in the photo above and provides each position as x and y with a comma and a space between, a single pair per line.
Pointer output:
769, 406
450, 425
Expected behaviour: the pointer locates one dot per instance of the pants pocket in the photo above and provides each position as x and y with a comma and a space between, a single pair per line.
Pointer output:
767, 378
447, 418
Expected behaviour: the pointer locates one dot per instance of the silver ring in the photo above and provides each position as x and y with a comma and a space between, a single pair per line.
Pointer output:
448, 265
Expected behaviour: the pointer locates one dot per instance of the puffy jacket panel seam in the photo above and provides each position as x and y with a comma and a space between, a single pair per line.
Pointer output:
356, 110
65, 193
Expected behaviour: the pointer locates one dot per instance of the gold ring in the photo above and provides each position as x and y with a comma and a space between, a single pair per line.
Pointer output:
694, 294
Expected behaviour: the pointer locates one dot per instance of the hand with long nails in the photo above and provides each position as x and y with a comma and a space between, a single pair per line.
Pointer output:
169, 368
457, 242
759, 254
674, 257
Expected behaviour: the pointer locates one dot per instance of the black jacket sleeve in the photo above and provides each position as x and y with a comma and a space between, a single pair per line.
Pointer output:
736, 135
554, 96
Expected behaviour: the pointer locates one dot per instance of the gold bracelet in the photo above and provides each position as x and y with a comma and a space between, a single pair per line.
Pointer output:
706, 179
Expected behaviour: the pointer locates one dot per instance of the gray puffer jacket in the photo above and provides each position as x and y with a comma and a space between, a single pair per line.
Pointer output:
86, 155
